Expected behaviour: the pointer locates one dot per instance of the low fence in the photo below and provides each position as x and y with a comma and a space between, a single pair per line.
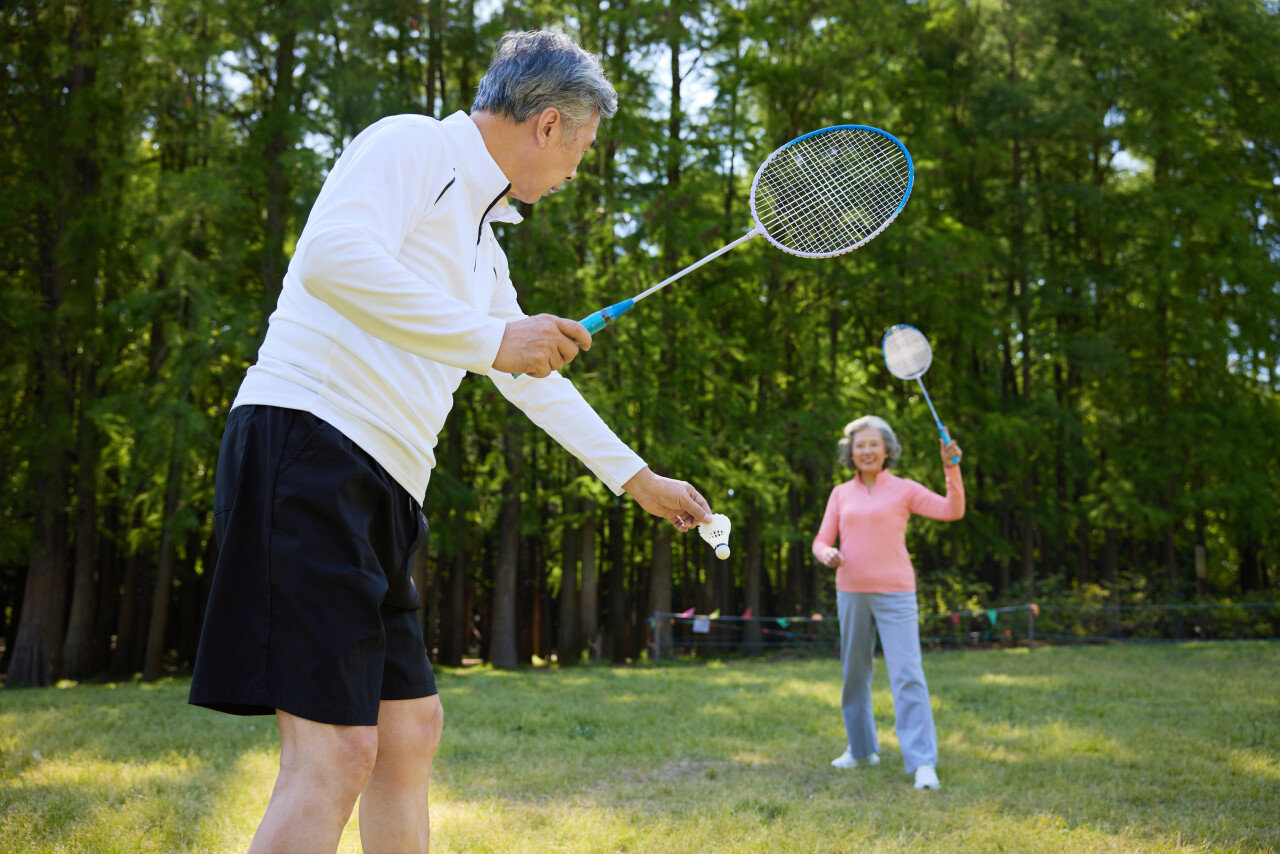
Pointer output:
691, 634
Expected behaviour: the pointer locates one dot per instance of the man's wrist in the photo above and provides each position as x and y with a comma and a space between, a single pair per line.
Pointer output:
638, 482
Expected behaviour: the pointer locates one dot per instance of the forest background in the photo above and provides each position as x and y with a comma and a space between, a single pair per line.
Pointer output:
1091, 246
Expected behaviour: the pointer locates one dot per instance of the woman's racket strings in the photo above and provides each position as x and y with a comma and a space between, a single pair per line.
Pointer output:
907, 355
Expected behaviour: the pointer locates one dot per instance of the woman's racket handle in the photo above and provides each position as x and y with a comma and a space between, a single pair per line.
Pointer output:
946, 439
598, 320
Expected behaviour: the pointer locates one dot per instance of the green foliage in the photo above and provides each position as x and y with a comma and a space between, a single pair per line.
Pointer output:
1091, 246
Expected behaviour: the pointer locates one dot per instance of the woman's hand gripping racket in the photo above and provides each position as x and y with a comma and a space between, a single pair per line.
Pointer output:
907, 355
820, 195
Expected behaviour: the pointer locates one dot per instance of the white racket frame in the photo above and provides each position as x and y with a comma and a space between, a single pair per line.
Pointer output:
760, 229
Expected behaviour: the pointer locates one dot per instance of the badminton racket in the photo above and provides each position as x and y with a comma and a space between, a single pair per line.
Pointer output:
907, 355
820, 195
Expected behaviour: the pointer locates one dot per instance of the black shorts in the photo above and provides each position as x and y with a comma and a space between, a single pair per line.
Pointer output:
312, 609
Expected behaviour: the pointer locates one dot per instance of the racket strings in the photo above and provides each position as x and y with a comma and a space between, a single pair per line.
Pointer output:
814, 213
907, 353
831, 192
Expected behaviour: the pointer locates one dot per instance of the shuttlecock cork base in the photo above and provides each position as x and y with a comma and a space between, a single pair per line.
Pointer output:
716, 534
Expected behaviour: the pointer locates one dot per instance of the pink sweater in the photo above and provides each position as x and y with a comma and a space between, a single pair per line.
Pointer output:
872, 529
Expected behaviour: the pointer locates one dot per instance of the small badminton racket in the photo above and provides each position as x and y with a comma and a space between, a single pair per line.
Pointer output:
907, 355
820, 195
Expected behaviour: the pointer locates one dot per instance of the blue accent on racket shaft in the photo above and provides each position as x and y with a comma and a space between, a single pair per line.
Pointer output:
942, 431
600, 319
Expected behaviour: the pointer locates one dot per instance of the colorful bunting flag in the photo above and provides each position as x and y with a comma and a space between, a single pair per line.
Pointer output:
955, 618
1035, 609
688, 613
746, 615
991, 615
715, 615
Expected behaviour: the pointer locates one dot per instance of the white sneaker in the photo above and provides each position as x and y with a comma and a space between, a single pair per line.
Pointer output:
927, 778
848, 760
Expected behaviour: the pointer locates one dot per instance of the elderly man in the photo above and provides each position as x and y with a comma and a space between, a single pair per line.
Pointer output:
396, 290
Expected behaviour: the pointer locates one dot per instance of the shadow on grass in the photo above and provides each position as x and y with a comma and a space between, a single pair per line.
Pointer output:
126, 766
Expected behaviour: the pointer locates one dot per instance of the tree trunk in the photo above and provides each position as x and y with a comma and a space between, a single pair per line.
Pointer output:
81, 659
502, 648
154, 662
127, 617
590, 597
615, 640
569, 636
278, 120
37, 647
660, 583
455, 622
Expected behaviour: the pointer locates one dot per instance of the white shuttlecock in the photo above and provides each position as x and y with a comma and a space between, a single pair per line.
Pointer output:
716, 533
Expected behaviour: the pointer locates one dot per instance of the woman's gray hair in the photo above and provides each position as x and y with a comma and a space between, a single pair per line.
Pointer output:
892, 447
534, 70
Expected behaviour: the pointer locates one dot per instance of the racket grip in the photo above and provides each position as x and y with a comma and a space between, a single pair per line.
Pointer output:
946, 440
598, 320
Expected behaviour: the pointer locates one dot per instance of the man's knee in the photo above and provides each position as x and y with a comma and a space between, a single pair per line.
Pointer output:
410, 729
429, 726
356, 749
343, 755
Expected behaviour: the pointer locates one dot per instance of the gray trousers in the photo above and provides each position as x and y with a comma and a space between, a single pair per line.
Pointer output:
895, 616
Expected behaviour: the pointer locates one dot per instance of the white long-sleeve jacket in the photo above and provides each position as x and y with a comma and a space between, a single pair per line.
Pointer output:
397, 288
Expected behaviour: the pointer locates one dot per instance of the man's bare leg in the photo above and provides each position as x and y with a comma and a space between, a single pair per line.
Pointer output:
323, 767
393, 805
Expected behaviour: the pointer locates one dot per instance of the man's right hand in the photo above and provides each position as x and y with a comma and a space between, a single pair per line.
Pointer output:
540, 344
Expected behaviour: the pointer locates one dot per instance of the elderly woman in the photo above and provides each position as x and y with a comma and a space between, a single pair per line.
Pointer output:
876, 590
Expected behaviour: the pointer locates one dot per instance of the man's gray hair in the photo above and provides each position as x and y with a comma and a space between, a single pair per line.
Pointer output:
534, 70
892, 447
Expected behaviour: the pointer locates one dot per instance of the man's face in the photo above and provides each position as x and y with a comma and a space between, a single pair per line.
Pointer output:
556, 162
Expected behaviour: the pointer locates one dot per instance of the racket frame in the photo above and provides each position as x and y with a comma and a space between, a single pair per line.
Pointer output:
942, 430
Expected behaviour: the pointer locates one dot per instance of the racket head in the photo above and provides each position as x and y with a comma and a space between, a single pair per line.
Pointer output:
832, 190
907, 353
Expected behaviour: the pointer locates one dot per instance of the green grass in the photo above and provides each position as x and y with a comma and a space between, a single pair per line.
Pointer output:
1123, 748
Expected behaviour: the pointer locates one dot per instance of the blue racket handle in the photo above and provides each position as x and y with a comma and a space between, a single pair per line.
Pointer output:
598, 320
946, 440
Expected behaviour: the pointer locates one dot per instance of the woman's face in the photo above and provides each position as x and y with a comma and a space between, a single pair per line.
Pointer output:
869, 452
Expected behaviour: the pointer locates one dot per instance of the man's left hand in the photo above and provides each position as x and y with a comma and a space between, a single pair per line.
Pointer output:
674, 500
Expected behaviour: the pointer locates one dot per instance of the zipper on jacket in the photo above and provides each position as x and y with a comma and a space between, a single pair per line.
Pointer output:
480, 229
475, 265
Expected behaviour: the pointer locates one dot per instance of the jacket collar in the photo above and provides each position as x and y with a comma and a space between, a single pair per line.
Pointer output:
482, 178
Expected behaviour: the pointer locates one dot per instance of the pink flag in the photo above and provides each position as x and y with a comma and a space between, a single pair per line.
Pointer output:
688, 613
746, 615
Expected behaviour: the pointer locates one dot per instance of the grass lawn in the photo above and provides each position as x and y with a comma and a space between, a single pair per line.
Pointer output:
1122, 748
